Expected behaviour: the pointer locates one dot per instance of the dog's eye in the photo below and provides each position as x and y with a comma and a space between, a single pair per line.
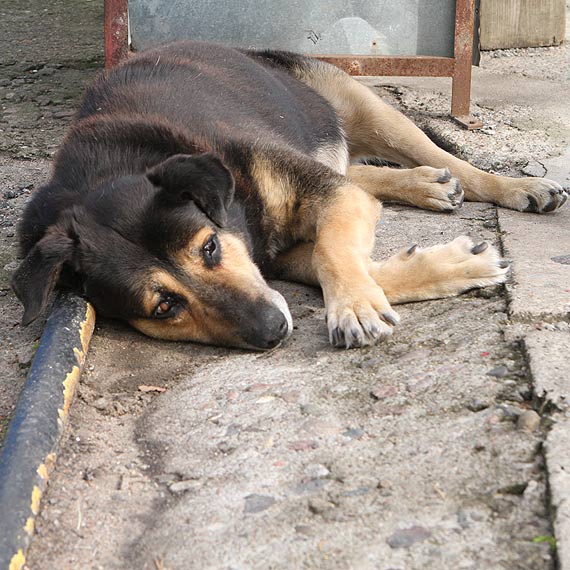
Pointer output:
165, 308
212, 251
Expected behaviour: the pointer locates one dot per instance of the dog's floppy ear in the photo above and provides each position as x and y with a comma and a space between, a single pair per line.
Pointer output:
201, 178
37, 275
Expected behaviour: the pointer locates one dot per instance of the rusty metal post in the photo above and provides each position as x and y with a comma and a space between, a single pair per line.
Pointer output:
116, 31
463, 56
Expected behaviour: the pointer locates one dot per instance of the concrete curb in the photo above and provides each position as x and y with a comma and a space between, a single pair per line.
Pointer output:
33, 436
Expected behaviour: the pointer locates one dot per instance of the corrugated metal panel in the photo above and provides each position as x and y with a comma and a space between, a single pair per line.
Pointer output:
365, 27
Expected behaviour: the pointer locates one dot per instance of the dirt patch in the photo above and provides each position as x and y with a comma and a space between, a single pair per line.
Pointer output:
40, 85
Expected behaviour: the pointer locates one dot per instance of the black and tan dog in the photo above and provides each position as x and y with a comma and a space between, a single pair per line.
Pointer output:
193, 171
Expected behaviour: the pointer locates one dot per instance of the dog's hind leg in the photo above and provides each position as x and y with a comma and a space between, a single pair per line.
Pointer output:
374, 128
414, 274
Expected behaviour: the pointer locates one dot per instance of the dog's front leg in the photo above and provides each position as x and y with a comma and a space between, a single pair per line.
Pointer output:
357, 311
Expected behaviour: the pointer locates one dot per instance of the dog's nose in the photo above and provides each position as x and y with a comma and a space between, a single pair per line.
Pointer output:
276, 329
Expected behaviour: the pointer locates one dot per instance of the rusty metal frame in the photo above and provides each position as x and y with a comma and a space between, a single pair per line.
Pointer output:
116, 23
457, 67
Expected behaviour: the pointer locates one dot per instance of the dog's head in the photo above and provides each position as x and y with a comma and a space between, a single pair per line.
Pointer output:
152, 249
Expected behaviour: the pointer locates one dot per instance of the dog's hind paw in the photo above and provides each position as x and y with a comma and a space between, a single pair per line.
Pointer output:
360, 320
435, 189
538, 195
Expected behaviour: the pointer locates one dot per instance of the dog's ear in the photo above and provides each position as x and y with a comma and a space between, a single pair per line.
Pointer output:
37, 275
201, 178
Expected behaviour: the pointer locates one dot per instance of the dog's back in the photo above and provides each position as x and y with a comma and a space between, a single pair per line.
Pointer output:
216, 94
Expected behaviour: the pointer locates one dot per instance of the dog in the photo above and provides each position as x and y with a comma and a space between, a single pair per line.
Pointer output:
193, 172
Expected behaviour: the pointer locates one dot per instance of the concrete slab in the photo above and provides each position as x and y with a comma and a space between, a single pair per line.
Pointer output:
405, 455
558, 464
538, 246
547, 353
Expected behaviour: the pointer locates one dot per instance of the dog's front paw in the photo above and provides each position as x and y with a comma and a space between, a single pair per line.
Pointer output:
538, 195
459, 266
360, 317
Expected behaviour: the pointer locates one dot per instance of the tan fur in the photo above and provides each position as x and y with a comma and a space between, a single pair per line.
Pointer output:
432, 273
424, 187
335, 157
199, 321
357, 309
196, 322
276, 191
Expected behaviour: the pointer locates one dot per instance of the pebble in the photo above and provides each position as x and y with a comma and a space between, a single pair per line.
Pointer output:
384, 410
510, 413
562, 259
258, 503
476, 405
259, 387
311, 410
183, 486
225, 447
358, 492
316, 427
354, 433
498, 371
316, 471
320, 506
265, 399
304, 529
233, 429
12, 266
311, 487
408, 536
302, 445
291, 397
101, 404
383, 392
370, 363
25, 356
528, 420
420, 384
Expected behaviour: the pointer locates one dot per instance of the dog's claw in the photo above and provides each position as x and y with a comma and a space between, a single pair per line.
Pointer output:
390, 318
336, 337
445, 176
479, 248
532, 204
